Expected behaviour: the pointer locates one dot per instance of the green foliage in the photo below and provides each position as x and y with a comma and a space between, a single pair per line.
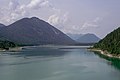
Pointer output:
111, 42
6, 44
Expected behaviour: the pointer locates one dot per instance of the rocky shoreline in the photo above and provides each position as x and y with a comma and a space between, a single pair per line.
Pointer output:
105, 53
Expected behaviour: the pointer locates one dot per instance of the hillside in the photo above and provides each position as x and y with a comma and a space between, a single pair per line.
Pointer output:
33, 31
111, 42
2, 25
6, 45
88, 38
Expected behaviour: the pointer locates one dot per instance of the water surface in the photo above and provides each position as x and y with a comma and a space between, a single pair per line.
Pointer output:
57, 63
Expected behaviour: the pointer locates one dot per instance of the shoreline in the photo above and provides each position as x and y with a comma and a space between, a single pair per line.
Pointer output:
15, 49
105, 53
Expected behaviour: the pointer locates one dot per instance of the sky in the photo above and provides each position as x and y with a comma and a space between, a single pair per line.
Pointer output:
99, 17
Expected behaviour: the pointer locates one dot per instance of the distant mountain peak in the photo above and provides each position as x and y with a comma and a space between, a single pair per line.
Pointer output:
89, 34
84, 38
29, 19
35, 18
88, 38
74, 36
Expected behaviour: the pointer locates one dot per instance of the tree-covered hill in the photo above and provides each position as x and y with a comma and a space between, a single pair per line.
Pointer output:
6, 45
111, 42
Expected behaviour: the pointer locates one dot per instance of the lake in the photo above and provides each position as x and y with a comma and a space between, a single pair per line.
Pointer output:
57, 63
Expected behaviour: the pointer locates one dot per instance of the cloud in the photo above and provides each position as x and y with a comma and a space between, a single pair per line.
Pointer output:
91, 24
36, 4
77, 29
56, 19
17, 11
88, 25
59, 20
12, 13
97, 19
13, 4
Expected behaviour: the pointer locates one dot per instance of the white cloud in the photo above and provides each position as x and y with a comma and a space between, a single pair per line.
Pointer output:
88, 25
53, 19
57, 19
37, 4
46, 3
13, 4
12, 13
34, 3
91, 24
97, 19
17, 11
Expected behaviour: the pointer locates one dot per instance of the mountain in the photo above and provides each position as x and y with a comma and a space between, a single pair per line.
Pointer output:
2, 25
88, 38
74, 36
33, 31
111, 42
4, 44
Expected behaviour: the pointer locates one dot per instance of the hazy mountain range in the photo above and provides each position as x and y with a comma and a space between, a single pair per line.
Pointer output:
84, 38
33, 31
74, 36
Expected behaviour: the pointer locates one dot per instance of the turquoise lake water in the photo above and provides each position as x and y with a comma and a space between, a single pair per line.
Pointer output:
57, 63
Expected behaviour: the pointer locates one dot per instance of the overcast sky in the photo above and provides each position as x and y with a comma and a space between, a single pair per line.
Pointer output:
70, 16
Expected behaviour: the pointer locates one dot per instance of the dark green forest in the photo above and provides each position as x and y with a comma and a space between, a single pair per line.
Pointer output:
7, 44
111, 42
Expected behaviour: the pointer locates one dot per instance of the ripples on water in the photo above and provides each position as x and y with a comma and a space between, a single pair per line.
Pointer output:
57, 63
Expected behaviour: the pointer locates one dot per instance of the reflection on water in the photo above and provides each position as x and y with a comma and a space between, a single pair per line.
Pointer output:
112, 61
41, 52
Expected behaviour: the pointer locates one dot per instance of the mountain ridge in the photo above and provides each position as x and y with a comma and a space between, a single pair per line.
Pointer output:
88, 38
2, 25
34, 31
84, 38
